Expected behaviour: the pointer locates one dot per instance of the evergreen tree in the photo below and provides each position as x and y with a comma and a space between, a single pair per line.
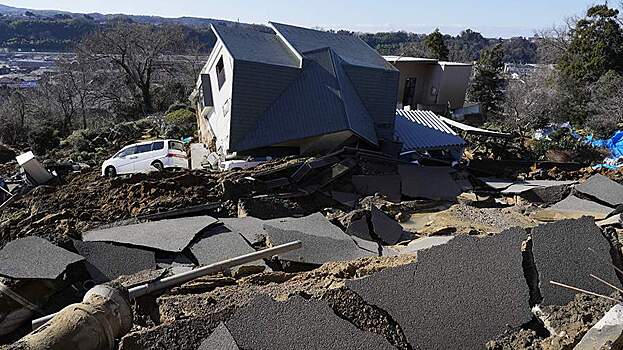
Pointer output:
437, 46
595, 48
488, 84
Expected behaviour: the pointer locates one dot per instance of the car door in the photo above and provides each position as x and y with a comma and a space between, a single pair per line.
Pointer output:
125, 161
144, 157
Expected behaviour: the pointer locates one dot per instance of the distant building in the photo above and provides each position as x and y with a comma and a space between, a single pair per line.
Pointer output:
295, 90
429, 84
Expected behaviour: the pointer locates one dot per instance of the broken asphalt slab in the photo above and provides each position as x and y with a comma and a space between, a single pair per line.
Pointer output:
252, 229
316, 249
106, 261
266, 324
313, 225
360, 228
425, 243
386, 229
214, 247
458, 295
603, 189
35, 258
429, 182
167, 235
561, 254
573, 207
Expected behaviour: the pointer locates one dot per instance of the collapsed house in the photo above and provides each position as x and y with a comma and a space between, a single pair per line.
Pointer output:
430, 84
293, 91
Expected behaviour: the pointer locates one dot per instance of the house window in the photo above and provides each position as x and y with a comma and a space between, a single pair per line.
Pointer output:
220, 73
206, 91
408, 97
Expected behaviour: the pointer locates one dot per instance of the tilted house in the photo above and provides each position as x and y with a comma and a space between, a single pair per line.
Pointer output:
294, 89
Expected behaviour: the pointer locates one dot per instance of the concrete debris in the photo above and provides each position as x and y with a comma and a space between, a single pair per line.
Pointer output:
608, 332
360, 228
317, 249
602, 189
36, 173
520, 187
568, 252
218, 246
106, 261
467, 271
167, 235
293, 324
386, 229
429, 182
35, 258
386, 185
573, 207
615, 220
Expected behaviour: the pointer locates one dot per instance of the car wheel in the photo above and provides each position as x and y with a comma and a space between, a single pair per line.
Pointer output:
111, 171
158, 165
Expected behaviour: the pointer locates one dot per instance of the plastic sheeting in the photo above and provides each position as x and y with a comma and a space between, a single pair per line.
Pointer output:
615, 146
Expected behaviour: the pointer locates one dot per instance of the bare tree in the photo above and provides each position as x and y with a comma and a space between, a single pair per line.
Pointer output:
531, 102
136, 49
554, 41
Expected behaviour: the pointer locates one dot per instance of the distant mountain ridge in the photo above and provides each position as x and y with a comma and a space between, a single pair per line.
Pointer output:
98, 17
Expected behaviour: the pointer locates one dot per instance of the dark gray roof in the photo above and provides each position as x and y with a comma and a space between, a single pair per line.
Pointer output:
351, 48
35, 258
254, 46
321, 101
423, 130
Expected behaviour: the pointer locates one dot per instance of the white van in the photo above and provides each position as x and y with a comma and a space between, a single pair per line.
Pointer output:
145, 157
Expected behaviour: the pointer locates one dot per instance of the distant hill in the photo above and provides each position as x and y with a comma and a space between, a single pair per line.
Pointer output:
52, 30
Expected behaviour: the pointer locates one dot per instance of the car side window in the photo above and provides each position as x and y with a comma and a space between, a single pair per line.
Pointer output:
143, 148
128, 152
157, 146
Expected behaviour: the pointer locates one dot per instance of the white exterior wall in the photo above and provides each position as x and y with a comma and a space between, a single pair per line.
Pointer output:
219, 117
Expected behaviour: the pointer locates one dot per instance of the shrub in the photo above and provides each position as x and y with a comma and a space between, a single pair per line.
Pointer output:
43, 139
180, 123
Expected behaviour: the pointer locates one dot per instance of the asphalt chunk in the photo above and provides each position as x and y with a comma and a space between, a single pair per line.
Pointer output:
252, 229
313, 225
167, 235
386, 229
316, 249
458, 295
106, 261
220, 339
35, 258
212, 248
561, 254
603, 189
266, 324
359, 228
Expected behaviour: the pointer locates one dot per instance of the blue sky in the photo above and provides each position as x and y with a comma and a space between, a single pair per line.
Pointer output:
491, 17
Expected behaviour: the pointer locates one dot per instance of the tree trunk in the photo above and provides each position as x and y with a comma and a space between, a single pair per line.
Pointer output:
147, 100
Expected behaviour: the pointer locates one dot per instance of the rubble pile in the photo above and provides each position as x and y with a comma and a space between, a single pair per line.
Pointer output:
383, 261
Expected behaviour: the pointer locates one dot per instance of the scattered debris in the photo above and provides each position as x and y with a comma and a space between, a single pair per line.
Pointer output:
429, 182
36, 173
607, 332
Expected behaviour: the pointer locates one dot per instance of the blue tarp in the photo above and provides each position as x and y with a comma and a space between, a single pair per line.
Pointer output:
615, 146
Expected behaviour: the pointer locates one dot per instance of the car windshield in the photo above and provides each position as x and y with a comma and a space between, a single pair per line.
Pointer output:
175, 145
